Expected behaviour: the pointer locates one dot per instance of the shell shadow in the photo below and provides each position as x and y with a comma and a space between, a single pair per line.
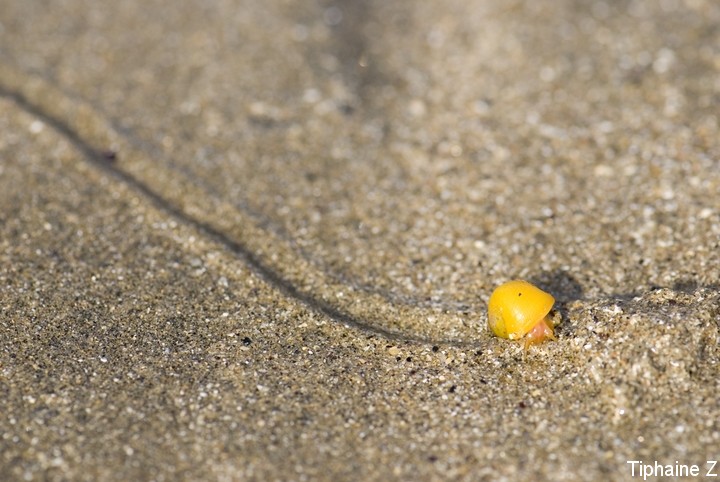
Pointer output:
564, 287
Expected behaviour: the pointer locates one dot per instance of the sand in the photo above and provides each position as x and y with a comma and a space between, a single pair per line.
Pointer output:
255, 240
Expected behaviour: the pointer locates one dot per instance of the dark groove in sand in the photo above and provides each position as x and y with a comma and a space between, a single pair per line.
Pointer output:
101, 160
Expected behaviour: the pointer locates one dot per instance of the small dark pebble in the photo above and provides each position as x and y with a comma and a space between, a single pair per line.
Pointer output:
109, 155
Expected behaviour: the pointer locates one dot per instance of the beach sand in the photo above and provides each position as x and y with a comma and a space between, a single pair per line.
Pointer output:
255, 240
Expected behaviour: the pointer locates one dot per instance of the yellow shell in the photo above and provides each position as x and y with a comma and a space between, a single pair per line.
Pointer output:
516, 308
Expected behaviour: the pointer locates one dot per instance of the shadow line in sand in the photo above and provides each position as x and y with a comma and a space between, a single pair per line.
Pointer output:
108, 161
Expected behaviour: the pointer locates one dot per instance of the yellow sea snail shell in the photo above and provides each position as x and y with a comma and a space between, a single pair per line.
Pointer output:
520, 310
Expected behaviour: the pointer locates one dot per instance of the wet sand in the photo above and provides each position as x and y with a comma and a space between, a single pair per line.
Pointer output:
255, 241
